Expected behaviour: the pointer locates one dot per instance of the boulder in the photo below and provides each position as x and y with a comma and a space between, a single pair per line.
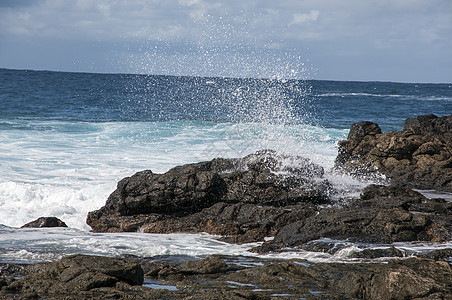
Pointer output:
76, 274
45, 222
419, 155
228, 194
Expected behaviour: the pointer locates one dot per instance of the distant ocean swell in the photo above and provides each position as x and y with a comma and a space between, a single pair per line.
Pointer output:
402, 97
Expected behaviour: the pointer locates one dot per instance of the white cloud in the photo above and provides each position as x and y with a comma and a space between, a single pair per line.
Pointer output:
305, 18
328, 28
188, 2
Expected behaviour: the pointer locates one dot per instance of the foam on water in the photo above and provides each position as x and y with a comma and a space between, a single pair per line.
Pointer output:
45, 244
54, 243
59, 158
66, 169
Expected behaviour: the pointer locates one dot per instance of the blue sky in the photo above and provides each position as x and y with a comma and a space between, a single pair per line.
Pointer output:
384, 40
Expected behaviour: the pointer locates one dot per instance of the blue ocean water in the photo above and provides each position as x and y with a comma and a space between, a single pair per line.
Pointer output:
85, 97
66, 139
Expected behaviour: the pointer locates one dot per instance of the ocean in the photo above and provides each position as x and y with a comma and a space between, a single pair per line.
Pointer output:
66, 139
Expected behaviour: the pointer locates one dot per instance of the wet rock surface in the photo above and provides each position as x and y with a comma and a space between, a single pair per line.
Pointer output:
266, 194
229, 277
45, 222
419, 155
243, 199
80, 275
383, 214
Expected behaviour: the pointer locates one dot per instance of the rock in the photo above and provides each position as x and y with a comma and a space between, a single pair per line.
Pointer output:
45, 222
413, 278
439, 254
383, 214
210, 265
377, 253
76, 274
238, 223
219, 277
296, 279
226, 195
420, 154
325, 246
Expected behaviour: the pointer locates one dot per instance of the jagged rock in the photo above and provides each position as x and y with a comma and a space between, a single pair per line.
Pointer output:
411, 278
420, 154
382, 215
45, 222
376, 253
399, 279
76, 274
219, 277
439, 254
238, 223
242, 192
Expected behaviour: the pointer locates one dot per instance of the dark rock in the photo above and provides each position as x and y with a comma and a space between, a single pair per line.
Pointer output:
420, 154
382, 215
216, 278
211, 265
359, 131
399, 279
439, 254
325, 246
45, 222
377, 253
238, 223
247, 192
76, 274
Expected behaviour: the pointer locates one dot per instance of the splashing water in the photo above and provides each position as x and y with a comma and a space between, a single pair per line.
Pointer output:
264, 100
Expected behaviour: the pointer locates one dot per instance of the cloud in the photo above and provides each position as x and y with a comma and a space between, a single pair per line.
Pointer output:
304, 18
326, 30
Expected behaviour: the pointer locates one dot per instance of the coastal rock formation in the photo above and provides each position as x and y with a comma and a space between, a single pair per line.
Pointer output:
420, 154
221, 196
239, 223
76, 275
265, 194
229, 277
45, 222
383, 214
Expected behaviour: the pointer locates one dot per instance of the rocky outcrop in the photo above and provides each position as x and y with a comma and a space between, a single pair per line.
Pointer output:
229, 277
265, 194
383, 214
224, 196
239, 223
76, 275
45, 222
419, 155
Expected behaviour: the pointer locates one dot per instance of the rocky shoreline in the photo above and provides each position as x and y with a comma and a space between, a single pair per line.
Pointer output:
226, 277
271, 195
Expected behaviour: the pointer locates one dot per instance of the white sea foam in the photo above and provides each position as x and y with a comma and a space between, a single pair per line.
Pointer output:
66, 169
54, 243
33, 245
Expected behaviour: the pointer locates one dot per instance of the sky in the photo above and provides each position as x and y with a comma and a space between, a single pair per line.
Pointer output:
362, 40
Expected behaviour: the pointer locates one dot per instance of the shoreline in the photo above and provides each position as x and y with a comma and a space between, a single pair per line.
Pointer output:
226, 277
247, 200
